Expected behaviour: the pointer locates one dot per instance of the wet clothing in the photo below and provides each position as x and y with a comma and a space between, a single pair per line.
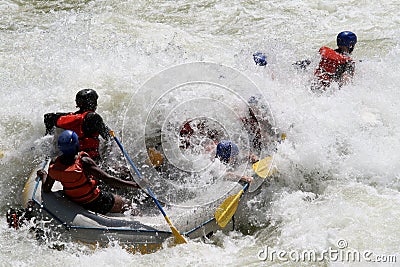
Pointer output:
185, 134
76, 185
252, 126
333, 65
80, 188
259, 129
87, 142
87, 124
103, 204
199, 128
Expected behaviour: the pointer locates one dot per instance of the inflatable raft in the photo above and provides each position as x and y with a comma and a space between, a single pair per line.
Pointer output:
145, 233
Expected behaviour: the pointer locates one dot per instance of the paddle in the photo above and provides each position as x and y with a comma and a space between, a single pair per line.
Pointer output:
263, 167
179, 239
227, 209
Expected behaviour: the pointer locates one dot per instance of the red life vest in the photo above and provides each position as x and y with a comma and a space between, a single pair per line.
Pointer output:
77, 186
73, 122
330, 61
201, 129
185, 133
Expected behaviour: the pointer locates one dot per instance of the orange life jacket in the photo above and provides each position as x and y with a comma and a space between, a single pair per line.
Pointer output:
77, 186
73, 122
330, 61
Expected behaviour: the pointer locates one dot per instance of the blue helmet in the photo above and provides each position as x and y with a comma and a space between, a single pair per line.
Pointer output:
226, 150
347, 39
260, 59
68, 142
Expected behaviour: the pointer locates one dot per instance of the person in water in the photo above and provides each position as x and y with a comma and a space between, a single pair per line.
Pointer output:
85, 122
227, 152
80, 175
336, 65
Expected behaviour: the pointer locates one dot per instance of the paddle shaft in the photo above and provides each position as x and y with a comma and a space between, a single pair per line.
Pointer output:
138, 173
245, 187
178, 237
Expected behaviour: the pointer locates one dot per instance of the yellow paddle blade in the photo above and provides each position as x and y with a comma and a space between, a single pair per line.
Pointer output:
179, 239
227, 209
263, 167
155, 157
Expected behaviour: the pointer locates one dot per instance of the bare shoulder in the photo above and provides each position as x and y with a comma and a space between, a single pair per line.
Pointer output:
87, 160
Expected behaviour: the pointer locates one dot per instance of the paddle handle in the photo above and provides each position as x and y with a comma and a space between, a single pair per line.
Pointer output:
158, 204
137, 171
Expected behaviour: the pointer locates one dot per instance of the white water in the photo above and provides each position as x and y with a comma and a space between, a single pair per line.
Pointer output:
339, 167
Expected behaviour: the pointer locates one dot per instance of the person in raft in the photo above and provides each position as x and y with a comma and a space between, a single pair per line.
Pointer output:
79, 176
227, 153
85, 122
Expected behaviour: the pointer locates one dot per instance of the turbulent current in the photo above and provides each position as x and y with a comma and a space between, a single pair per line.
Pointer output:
335, 197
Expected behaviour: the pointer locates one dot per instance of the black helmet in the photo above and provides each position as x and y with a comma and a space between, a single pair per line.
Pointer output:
86, 99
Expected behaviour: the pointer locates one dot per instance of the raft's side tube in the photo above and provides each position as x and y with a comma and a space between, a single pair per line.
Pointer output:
30, 184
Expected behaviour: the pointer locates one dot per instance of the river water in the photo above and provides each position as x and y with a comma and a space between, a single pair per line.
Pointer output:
338, 183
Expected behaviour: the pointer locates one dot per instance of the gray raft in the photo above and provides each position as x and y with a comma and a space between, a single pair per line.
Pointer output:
142, 233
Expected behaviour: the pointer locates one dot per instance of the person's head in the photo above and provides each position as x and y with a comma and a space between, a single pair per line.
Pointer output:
86, 99
260, 59
346, 39
226, 150
68, 143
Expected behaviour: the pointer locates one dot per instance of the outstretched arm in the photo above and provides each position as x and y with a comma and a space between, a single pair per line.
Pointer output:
91, 169
50, 121
236, 177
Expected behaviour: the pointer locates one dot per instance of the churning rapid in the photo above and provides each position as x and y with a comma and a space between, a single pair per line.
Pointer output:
337, 183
